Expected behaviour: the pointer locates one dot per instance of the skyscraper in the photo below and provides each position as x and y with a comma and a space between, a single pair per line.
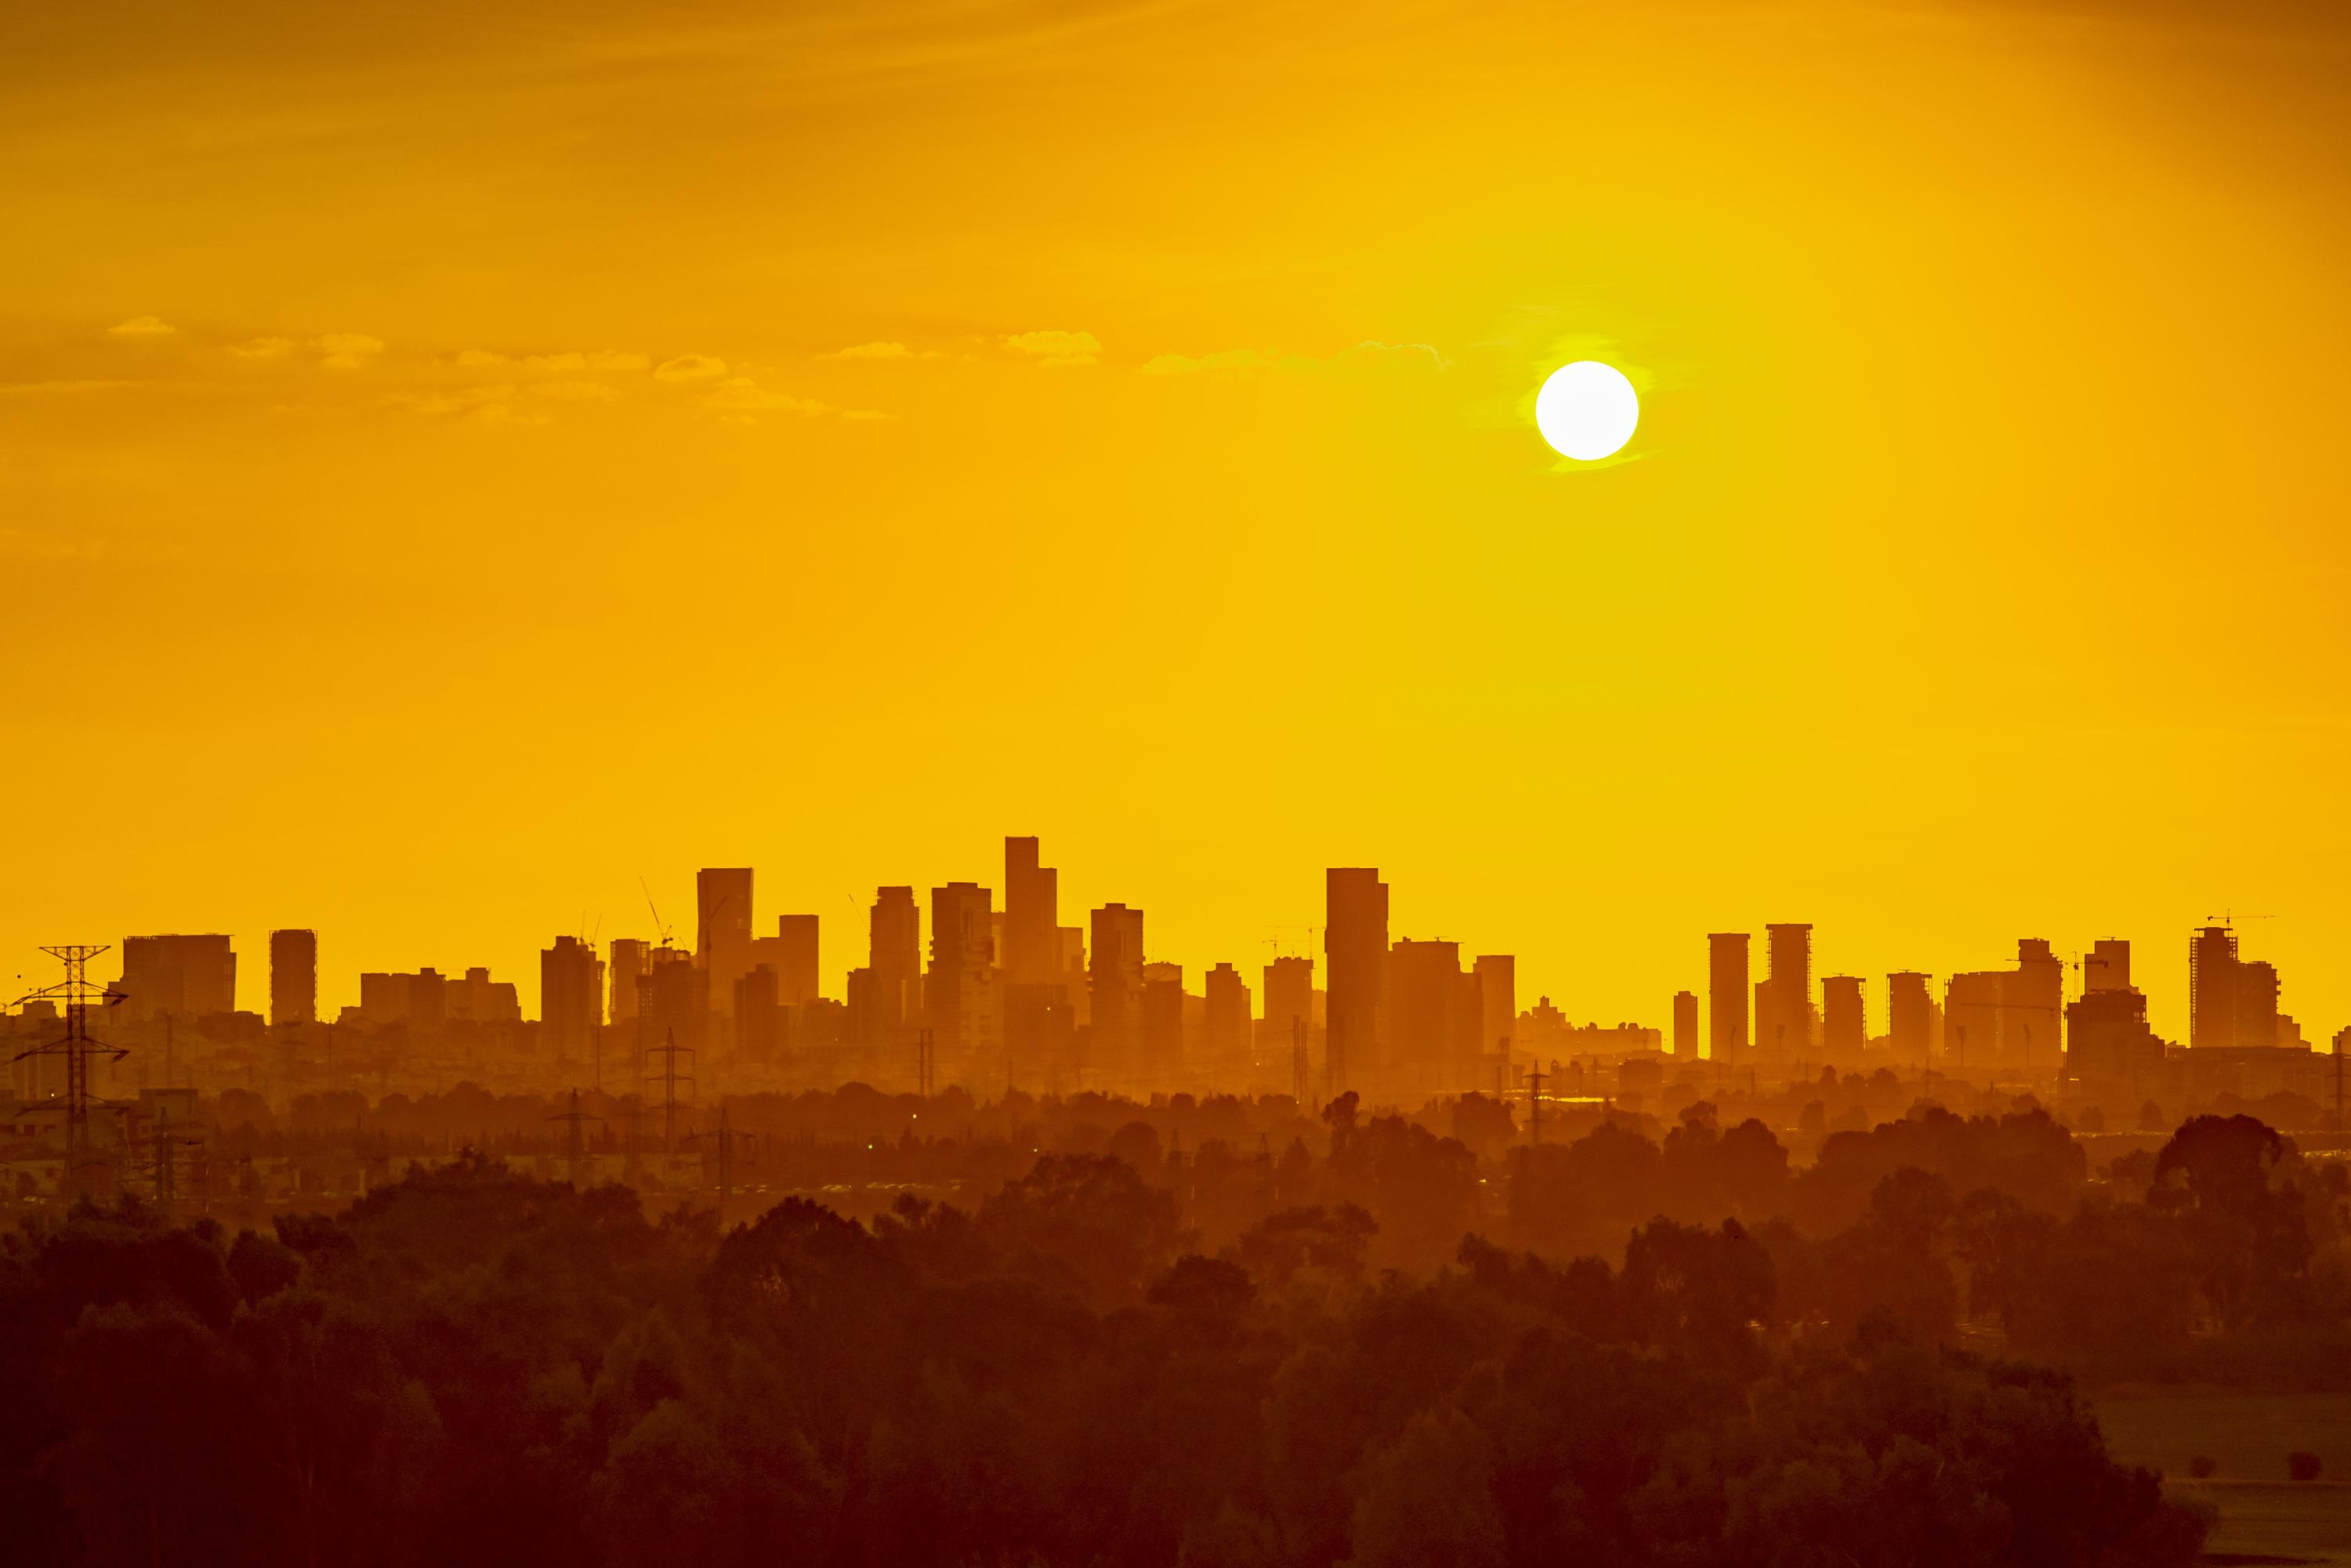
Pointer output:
2109, 1045
631, 957
722, 929
1289, 1011
1783, 1000
1421, 1017
186, 977
959, 992
1845, 1027
1498, 1002
1686, 1024
1032, 916
293, 976
2232, 1002
1909, 1016
570, 998
1114, 990
792, 952
1355, 943
1725, 991
895, 949
1226, 1022
2008, 1018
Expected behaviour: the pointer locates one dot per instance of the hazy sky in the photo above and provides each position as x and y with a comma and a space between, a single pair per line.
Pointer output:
455, 458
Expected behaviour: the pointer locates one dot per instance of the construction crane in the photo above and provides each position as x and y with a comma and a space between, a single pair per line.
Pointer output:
658, 926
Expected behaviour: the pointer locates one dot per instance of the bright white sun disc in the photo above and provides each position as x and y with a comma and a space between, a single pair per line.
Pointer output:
1587, 411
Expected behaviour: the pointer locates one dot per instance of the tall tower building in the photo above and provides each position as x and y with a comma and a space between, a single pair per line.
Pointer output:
1032, 916
293, 976
1726, 992
1421, 993
1845, 1027
186, 977
631, 957
1498, 1002
570, 998
960, 994
1289, 1011
1355, 943
894, 938
1909, 1018
1114, 990
1685, 1025
1783, 1001
1226, 1022
722, 929
792, 952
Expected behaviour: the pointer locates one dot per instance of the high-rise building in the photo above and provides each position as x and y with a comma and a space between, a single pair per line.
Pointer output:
759, 1014
1498, 1002
1726, 991
1784, 999
959, 992
672, 1004
293, 976
2108, 1044
1114, 992
570, 998
1355, 945
1845, 1027
1288, 1012
1163, 1064
1998, 1020
722, 929
1422, 1022
894, 938
1909, 1016
185, 977
1227, 1021
1686, 1024
792, 952
1031, 916
631, 957
2232, 1002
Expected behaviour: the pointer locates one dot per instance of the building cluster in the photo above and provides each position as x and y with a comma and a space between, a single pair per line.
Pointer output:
997, 993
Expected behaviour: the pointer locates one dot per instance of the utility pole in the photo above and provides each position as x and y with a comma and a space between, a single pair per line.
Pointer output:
669, 1078
1535, 1076
925, 1065
77, 992
576, 1149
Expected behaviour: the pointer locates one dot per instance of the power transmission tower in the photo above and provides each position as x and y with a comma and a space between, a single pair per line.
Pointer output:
1535, 1076
723, 1138
669, 1078
164, 1158
75, 993
576, 1150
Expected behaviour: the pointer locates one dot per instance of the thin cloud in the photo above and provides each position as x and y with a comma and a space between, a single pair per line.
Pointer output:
143, 326
576, 392
262, 348
570, 363
347, 351
1189, 365
879, 351
689, 367
741, 394
1057, 347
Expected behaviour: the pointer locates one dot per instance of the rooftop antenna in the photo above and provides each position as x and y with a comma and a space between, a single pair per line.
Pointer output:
78, 992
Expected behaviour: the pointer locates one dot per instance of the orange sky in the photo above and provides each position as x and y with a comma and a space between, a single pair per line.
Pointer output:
455, 458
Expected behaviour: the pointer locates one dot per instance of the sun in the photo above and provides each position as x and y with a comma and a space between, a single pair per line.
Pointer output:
1587, 411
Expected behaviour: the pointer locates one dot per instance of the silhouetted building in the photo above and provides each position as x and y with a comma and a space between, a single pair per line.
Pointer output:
1229, 1058
2008, 1018
474, 998
570, 998
959, 992
1909, 1016
1162, 1028
722, 929
1355, 943
792, 952
1498, 1002
1427, 1035
1685, 1025
1845, 1027
1288, 1008
1114, 989
2232, 1002
673, 1003
185, 977
631, 957
894, 964
760, 1013
2109, 1045
293, 976
1031, 916
1784, 997
1725, 991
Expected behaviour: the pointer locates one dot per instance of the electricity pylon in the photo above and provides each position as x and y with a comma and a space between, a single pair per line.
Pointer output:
75, 993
